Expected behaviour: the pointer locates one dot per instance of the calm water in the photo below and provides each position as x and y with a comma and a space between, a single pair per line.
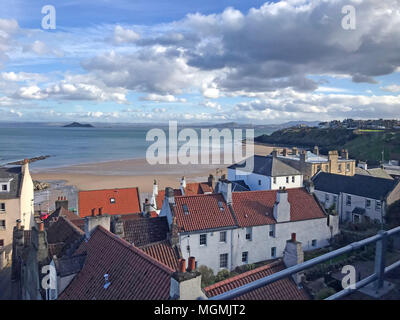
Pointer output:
68, 146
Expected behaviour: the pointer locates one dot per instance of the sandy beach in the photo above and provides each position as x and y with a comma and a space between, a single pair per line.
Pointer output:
131, 173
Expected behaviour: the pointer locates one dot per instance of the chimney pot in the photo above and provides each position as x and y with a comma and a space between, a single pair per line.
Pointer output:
41, 226
293, 237
93, 212
100, 211
26, 160
18, 224
192, 264
182, 265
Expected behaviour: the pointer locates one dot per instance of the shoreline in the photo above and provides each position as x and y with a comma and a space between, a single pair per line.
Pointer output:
132, 173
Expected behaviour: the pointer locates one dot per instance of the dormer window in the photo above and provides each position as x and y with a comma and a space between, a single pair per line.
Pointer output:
112, 200
4, 187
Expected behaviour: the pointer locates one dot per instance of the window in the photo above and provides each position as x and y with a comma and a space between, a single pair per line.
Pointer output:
334, 199
274, 180
367, 203
293, 179
223, 260
259, 182
248, 233
378, 205
348, 200
221, 206
222, 236
287, 179
348, 167
2, 224
3, 187
272, 230
314, 243
1, 243
340, 168
245, 256
326, 197
2, 207
112, 200
273, 252
203, 239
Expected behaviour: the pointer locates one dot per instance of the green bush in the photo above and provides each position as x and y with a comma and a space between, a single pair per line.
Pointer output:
207, 276
324, 293
222, 275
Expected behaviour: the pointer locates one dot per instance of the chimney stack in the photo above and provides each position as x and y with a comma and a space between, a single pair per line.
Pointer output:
293, 255
274, 153
93, 212
183, 185
345, 154
146, 208
211, 181
285, 152
186, 285
303, 156
295, 151
282, 206
155, 188
225, 187
100, 211
92, 222
316, 150
117, 226
169, 195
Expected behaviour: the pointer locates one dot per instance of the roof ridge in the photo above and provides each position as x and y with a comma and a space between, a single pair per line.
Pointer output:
90, 190
133, 248
76, 228
244, 274
200, 195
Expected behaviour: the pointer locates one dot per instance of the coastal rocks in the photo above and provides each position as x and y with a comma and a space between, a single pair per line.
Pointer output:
21, 162
38, 185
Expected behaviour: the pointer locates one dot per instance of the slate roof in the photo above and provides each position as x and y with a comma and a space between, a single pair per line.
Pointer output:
239, 185
267, 166
70, 265
127, 200
133, 274
142, 231
375, 172
64, 235
253, 208
163, 252
284, 289
203, 213
360, 185
15, 174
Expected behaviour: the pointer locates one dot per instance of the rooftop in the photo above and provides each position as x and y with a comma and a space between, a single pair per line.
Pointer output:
132, 274
284, 289
142, 231
360, 185
112, 201
13, 175
267, 166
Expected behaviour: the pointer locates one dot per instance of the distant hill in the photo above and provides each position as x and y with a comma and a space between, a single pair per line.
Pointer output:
78, 125
366, 146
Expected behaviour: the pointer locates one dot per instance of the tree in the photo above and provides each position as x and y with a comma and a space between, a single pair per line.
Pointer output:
393, 214
222, 275
207, 276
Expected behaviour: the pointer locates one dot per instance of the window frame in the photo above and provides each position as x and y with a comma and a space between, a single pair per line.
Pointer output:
221, 256
224, 237
204, 237
273, 252
246, 253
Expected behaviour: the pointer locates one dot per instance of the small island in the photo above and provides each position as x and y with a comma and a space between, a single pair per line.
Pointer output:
78, 125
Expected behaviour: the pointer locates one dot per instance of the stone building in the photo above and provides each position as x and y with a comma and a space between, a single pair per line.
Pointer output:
16, 203
309, 163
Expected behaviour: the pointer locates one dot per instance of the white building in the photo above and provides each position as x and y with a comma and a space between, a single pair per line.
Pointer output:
356, 198
268, 173
229, 229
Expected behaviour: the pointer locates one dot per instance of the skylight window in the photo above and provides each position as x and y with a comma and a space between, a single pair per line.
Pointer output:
185, 208
220, 205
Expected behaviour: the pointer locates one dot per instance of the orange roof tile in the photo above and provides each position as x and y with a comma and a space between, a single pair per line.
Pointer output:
203, 212
284, 289
163, 252
126, 201
133, 274
253, 208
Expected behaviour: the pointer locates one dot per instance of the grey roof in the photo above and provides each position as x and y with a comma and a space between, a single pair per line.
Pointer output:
267, 166
240, 185
360, 185
13, 173
375, 172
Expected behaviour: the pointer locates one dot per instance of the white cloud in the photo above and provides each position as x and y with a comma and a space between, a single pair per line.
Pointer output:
122, 35
391, 88
162, 98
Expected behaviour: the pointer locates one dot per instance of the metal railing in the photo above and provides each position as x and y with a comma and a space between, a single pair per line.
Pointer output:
381, 240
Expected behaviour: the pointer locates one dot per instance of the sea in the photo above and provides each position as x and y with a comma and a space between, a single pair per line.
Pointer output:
72, 146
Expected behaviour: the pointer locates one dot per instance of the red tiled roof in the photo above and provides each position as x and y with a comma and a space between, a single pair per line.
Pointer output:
133, 274
192, 188
253, 208
126, 201
204, 212
284, 289
163, 251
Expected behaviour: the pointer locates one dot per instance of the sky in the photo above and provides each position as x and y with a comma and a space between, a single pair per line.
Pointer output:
199, 61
